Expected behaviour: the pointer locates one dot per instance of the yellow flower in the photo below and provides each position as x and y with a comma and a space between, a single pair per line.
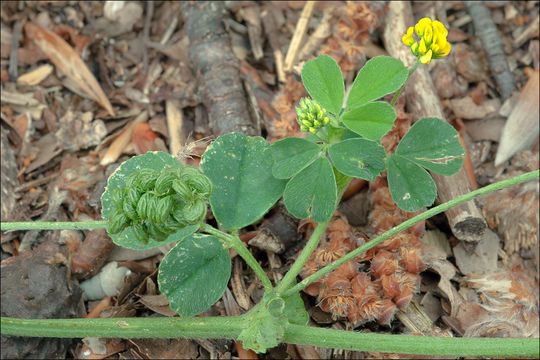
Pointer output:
408, 38
439, 28
432, 43
421, 26
426, 58
440, 46
422, 48
428, 36
414, 48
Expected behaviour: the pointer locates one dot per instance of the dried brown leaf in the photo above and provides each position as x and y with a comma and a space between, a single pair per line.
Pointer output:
68, 61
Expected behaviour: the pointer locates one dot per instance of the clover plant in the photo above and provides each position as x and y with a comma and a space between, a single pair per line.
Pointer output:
153, 199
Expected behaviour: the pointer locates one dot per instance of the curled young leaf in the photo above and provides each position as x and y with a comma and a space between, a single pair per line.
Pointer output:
130, 210
163, 209
182, 189
143, 205
141, 173
164, 181
117, 222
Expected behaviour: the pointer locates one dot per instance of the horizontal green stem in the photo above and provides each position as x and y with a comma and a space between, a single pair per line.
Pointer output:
43, 225
406, 224
237, 244
148, 327
231, 326
408, 344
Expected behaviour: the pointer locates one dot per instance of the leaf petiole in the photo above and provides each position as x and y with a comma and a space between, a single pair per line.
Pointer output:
411, 70
237, 244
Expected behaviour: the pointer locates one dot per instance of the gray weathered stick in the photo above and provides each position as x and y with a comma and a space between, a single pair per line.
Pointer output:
486, 30
216, 68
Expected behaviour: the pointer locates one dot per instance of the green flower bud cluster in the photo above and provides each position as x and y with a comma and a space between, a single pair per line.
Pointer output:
311, 115
157, 204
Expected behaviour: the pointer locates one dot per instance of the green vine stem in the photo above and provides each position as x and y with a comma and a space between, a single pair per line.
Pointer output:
38, 225
411, 70
297, 266
237, 244
173, 327
406, 224
408, 344
231, 326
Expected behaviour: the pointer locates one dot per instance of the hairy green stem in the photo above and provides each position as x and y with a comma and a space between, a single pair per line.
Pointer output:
406, 224
237, 244
408, 344
411, 70
148, 327
39, 225
231, 326
295, 269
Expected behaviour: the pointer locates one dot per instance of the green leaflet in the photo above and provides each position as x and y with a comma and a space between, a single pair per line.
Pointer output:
431, 144
380, 76
323, 80
411, 187
312, 191
371, 120
291, 155
359, 158
241, 172
194, 274
434, 145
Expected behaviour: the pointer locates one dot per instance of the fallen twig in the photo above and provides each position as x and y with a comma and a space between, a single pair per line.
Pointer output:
492, 44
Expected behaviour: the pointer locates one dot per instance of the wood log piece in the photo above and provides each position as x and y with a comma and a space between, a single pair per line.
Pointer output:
486, 30
9, 179
217, 68
466, 220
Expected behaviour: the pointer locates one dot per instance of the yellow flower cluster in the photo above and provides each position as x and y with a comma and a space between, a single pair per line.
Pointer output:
432, 44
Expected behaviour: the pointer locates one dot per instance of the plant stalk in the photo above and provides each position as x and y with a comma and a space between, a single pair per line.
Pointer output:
39, 225
237, 244
148, 327
411, 70
231, 326
295, 269
408, 344
406, 224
